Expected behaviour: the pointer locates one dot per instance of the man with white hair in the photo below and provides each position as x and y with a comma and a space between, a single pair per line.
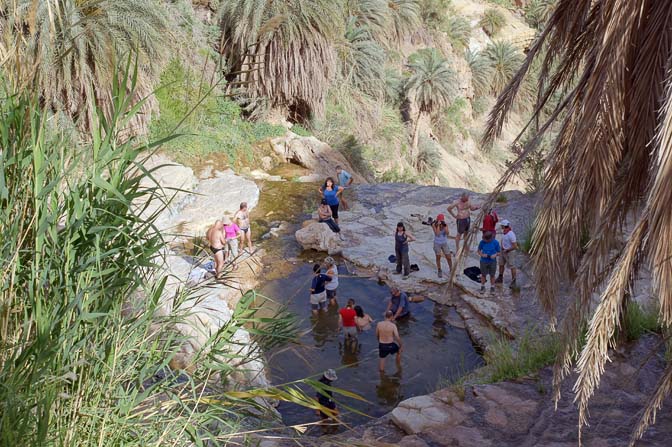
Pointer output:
508, 257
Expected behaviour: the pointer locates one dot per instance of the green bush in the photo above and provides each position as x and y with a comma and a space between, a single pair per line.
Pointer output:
428, 162
638, 322
506, 360
214, 126
434, 12
300, 130
492, 21
458, 31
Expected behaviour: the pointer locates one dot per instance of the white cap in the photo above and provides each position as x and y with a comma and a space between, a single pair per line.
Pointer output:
505, 223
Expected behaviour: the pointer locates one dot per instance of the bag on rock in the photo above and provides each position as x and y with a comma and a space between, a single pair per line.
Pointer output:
473, 273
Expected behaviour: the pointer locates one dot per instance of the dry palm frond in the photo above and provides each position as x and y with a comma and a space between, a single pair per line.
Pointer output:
655, 403
70, 50
283, 49
610, 59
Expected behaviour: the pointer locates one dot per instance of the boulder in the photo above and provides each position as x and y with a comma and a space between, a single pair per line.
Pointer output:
312, 154
319, 236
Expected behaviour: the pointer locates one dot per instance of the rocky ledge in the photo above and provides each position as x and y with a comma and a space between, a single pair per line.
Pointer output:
368, 229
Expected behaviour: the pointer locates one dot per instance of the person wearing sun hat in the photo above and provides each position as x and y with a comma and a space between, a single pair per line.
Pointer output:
509, 248
440, 229
325, 397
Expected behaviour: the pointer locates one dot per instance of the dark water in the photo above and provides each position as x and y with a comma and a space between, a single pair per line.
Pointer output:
434, 349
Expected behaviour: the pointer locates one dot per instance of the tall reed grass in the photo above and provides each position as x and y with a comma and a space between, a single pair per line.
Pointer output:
86, 349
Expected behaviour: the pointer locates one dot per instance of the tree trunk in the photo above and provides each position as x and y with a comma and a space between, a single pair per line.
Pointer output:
414, 144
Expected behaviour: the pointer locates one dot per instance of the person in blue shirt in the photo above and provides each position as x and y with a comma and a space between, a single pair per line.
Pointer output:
318, 292
488, 250
398, 304
344, 180
331, 193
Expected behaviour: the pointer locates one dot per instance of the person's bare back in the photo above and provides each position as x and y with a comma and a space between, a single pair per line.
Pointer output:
217, 240
387, 332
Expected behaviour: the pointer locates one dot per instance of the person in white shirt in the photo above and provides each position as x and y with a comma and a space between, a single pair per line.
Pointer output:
508, 257
332, 271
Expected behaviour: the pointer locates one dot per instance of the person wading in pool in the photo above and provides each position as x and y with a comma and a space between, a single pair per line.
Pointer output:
401, 240
318, 293
398, 304
389, 341
331, 192
462, 218
217, 241
242, 219
346, 321
331, 286
326, 397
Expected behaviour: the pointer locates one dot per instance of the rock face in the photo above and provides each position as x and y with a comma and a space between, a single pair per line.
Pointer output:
312, 154
194, 206
318, 236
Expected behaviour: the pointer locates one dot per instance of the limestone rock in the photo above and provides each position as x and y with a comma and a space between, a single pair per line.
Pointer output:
319, 236
312, 154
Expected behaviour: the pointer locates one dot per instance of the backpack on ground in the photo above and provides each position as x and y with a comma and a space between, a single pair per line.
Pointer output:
473, 273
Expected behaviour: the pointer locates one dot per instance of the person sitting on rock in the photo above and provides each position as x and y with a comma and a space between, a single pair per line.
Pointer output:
331, 193
217, 241
324, 215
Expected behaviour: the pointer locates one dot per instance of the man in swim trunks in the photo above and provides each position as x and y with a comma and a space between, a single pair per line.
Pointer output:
463, 217
217, 241
242, 219
389, 341
344, 180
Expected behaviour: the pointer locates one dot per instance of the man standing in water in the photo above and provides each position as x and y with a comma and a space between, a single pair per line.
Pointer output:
217, 241
389, 341
318, 292
462, 218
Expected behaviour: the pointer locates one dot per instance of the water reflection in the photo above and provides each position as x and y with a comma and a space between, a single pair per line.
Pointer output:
388, 389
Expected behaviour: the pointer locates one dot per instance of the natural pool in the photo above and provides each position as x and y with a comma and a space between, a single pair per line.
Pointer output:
436, 347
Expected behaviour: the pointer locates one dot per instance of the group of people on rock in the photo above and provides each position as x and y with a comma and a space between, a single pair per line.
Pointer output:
489, 249
224, 235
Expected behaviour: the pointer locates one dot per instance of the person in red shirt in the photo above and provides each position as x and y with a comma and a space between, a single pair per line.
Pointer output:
346, 320
490, 221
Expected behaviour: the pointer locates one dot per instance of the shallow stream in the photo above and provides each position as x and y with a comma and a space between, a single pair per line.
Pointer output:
436, 347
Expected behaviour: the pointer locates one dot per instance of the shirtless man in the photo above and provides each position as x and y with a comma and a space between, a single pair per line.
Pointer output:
389, 341
463, 217
217, 241
242, 219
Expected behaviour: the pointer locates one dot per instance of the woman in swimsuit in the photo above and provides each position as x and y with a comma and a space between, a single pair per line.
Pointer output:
362, 320
242, 219
331, 193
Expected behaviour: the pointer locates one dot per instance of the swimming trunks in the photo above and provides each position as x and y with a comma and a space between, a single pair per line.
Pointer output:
385, 349
463, 225
245, 230
215, 250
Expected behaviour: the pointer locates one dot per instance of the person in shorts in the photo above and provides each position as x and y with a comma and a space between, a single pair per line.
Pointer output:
440, 229
509, 249
462, 217
232, 233
344, 180
318, 293
488, 249
389, 342
346, 322
332, 272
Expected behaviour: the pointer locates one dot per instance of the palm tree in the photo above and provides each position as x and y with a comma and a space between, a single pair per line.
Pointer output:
611, 160
492, 21
283, 50
481, 72
363, 60
458, 31
505, 59
405, 17
70, 49
431, 86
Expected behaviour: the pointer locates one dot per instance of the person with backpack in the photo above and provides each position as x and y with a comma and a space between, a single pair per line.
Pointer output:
488, 249
490, 221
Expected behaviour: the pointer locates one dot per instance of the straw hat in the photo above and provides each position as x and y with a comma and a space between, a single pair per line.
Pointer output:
226, 220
